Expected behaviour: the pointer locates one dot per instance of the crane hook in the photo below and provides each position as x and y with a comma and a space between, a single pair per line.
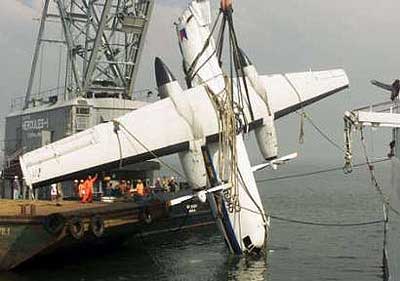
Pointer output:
226, 5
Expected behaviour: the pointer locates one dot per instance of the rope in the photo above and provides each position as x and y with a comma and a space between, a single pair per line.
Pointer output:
191, 70
318, 172
301, 133
304, 115
371, 168
374, 180
148, 150
321, 132
238, 64
116, 129
348, 156
118, 125
229, 112
319, 223
327, 224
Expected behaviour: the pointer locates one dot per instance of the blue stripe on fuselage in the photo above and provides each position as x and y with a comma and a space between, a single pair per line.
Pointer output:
229, 230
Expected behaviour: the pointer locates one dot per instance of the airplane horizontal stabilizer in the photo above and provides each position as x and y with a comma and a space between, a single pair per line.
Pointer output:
292, 91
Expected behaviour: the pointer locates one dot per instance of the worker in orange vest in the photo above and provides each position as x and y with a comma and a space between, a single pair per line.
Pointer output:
89, 182
81, 189
140, 188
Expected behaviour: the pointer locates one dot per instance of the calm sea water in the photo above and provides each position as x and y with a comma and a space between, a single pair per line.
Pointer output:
296, 252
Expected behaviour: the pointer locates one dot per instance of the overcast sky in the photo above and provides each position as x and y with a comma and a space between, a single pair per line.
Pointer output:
360, 36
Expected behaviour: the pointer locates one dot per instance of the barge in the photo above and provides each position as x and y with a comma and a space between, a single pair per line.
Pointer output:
30, 230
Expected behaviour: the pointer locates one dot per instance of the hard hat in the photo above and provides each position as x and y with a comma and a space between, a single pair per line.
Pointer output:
81, 180
15, 177
75, 181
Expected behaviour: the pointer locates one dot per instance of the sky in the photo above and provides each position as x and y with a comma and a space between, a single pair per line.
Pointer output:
280, 36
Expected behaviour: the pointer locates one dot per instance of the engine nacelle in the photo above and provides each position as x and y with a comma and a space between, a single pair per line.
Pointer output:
193, 165
267, 139
192, 161
266, 134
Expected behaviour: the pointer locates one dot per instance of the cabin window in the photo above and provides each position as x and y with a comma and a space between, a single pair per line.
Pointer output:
82, 123
82, 110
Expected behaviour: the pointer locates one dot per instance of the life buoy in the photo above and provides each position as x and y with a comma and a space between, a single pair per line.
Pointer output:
76, 228
97, 226
54, 224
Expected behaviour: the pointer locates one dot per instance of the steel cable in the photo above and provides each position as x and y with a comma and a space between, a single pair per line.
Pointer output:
318, 172
326, 224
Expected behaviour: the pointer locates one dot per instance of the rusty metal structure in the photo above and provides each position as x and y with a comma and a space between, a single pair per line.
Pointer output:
102, 41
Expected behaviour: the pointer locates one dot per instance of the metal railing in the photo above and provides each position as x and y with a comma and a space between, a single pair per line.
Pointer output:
387, 107
148, 95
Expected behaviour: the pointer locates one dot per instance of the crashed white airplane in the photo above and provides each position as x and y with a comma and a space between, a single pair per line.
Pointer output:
188, 122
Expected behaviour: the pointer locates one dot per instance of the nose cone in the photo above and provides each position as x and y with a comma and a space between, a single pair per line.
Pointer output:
163, 74
244, 59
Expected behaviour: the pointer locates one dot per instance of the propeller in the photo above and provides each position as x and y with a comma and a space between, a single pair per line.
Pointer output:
274, 163
202, 195
394, 88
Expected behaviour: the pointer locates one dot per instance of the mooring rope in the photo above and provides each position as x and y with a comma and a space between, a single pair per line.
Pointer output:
327, 224
374, 180
307, 116
155, 156
319, 171
335, 224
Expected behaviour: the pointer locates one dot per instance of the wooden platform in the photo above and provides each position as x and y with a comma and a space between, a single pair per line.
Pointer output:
44, 208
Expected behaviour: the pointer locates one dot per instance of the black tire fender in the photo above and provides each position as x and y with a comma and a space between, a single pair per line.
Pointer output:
76, 227
97, 226
147, 217
54, 224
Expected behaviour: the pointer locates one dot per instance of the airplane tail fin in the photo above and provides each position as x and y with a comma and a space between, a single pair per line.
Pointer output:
381, 85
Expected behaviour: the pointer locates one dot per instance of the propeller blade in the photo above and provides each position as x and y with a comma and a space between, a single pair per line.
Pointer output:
274, 162
200, 194
382, 85
180, 200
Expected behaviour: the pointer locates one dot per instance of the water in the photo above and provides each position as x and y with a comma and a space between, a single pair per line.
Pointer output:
296, 252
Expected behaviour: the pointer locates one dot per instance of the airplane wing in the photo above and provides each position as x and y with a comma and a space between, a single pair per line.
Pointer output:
290, 92
158, 130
